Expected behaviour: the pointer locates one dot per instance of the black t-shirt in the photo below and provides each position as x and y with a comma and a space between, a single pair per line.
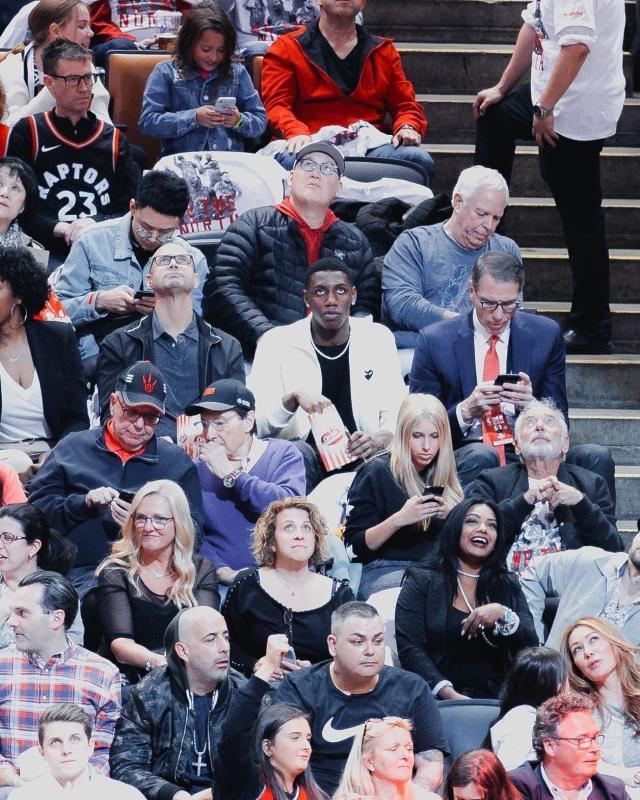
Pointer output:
201, 710
337, 717
336, 381
344, 72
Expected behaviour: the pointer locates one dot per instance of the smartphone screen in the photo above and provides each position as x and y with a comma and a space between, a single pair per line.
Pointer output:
436, 491
507, 377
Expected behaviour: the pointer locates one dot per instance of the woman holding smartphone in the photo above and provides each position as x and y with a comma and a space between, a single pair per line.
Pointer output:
400, 499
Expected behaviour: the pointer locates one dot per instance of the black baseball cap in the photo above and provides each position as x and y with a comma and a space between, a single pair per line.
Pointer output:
142, 384
223, 395
322, 147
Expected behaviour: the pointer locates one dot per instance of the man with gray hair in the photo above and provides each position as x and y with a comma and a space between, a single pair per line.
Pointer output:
547, 505
426, 273
567, 741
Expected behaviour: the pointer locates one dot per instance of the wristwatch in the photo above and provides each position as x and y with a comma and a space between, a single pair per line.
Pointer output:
509, 623
229, 480
542, 112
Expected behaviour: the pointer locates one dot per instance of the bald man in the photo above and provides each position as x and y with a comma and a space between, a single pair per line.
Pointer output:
174, 715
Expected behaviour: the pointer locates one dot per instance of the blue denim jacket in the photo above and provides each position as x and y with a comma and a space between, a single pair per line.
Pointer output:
170, 102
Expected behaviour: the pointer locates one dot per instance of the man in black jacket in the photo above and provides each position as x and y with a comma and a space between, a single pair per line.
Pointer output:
166, 739
259, 275
187, 350
547, 505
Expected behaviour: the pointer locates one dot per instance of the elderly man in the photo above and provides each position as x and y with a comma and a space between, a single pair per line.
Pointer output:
88, 481
189, 353
547, 505
44, 668
239, 473
341, 695
261, 264
166, 738
103, 280
334, 72
588, 582
426, 273
567, 740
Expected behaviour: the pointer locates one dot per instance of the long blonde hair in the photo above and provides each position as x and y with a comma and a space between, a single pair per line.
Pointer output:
416, 408
356, 778
627, 669
125, 552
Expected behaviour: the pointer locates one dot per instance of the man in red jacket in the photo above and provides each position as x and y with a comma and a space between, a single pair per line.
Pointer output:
334, 72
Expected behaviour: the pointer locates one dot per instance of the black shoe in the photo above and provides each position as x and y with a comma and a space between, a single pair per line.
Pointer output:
587, 344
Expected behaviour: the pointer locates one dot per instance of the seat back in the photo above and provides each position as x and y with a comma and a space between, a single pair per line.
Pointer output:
466, 724
384, 603
258, 61
361, 168
127, 76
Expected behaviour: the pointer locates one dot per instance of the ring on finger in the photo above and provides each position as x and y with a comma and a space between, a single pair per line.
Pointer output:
481, 626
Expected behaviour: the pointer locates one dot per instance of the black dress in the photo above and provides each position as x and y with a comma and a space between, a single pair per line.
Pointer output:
253, 615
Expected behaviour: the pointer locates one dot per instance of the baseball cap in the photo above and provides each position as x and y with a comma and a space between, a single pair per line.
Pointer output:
322, 147
142, 384
223, 395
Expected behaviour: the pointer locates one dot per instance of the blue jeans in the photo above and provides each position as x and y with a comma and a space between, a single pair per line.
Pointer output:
379, 575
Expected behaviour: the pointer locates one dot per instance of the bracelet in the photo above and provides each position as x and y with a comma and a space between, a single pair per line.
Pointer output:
509, 625
410, 127
238, 124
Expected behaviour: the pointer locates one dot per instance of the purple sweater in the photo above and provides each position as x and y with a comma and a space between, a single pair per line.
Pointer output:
231, 514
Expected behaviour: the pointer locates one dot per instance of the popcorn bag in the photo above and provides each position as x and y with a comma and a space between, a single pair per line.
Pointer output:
331, 438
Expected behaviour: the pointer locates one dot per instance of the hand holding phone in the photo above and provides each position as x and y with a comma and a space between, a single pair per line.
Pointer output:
225, 105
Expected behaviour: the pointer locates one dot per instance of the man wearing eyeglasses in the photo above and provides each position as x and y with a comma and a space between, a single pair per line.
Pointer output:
258, 279
84, 168
189, 352
88, 481
567, 742
102, 283
460, 360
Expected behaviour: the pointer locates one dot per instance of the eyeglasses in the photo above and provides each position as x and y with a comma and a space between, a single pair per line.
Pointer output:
74, 80
157, 522
507, 307
218, 424
308, 165
582, 742
164, 261
130, 415
10, 538
163, 238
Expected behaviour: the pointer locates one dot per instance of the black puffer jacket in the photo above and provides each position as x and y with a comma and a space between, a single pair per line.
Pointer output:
259, 274
153, 736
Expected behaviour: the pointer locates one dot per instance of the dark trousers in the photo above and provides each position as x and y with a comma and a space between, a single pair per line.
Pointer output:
571, 169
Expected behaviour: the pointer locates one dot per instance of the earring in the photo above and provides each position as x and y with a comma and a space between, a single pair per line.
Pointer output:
24, 319
353, 302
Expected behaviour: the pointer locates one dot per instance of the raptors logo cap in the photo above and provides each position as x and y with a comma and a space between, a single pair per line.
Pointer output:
142, 384
223, 395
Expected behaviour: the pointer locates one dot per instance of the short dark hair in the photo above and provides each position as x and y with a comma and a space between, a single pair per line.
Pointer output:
329, 265
27, 177
27, 279
164, 192
58, 593
501, 266
206, 17
551, 713
64, 712
62, 50
355, 608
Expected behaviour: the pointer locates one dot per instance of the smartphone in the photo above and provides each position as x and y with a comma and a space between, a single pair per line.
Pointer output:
507, 377
436, 491
127, 497
142, 293
224, 105
290, 655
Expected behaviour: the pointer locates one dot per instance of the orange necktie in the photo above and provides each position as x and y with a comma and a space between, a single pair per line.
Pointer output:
490, 372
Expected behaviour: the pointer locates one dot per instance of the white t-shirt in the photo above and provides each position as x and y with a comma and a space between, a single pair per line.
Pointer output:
97, 787
591, 106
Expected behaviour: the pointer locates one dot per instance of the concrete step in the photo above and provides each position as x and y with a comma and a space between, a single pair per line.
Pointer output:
451, 20
450, 120
455, 68
618, 428
611, 382
627, 491
533, 221
617, 165
549, 276
625, 321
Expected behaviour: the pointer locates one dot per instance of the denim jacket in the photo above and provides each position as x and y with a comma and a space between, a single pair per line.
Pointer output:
102, 258
170, 102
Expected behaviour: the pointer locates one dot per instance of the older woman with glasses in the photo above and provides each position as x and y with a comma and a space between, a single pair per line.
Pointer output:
150, 575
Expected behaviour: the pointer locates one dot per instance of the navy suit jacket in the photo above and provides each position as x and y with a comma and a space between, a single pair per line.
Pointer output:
531, 785
444, 363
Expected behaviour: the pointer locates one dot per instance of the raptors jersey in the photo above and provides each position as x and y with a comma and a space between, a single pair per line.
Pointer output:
75, 178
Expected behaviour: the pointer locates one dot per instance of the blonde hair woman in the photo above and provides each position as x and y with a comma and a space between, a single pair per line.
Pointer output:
380, 763
150, 575
394, 519
604, 667
283, 594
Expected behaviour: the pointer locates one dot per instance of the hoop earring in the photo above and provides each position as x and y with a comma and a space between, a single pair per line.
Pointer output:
24, 319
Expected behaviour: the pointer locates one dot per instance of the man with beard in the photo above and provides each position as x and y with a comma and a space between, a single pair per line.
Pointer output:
172, 719
546, 504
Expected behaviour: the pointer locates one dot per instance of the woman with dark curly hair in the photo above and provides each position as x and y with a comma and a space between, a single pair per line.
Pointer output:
479, 774
461, 618
283, 594
43, 394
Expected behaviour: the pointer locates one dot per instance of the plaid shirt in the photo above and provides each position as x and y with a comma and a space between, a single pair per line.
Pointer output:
28, 684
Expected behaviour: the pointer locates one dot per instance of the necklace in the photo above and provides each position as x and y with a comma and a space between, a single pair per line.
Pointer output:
331, 358
156, 575
471, 608
199, 763
473, 575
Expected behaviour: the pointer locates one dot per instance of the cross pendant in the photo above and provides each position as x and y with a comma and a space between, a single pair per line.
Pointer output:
199, 764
